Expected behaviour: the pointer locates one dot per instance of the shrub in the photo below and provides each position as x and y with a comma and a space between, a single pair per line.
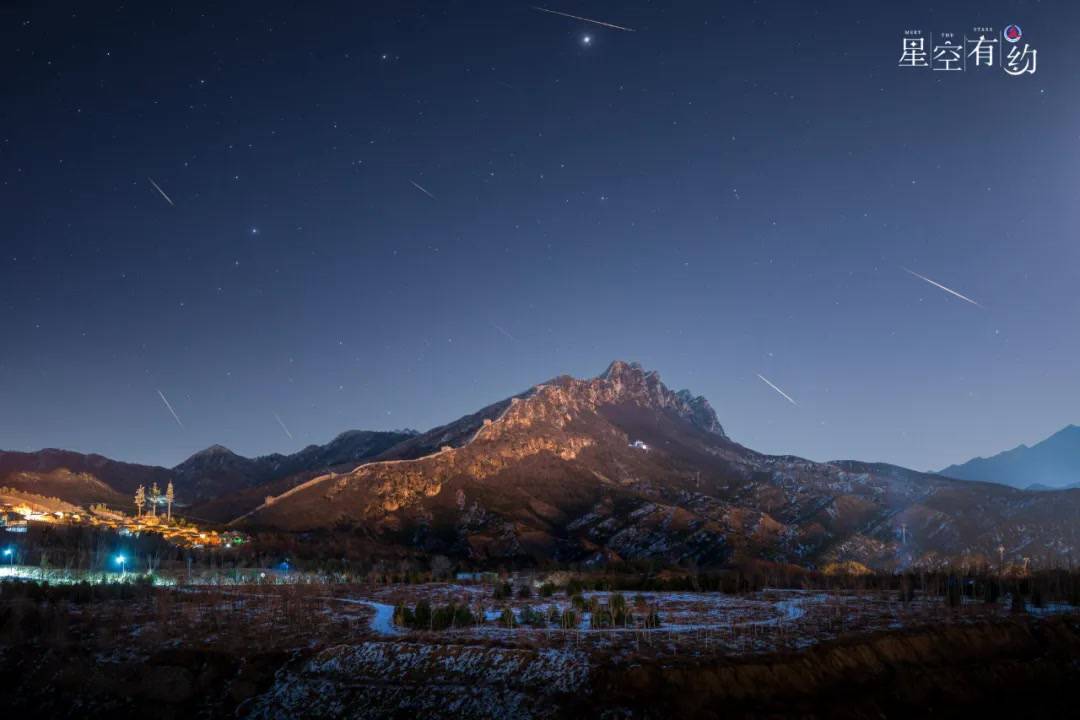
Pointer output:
404, 616
422, 614
528, 616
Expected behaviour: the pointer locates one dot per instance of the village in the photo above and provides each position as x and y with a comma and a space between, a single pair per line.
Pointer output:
153, 515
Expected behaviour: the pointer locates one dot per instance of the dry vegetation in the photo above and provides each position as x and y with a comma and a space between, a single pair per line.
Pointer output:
267, 647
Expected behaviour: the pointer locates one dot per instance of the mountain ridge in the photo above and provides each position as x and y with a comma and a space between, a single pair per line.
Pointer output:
201, 480
613, 468
1053, 462
619, 467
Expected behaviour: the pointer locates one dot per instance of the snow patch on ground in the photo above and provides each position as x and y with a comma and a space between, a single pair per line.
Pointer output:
380, 679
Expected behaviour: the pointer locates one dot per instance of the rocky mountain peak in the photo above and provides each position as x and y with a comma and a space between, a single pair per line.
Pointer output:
621, 370
629, 380
701, 412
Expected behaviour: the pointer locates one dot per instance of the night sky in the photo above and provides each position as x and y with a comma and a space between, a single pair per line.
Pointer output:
387, 215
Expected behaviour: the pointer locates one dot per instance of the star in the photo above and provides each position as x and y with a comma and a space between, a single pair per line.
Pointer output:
586, 40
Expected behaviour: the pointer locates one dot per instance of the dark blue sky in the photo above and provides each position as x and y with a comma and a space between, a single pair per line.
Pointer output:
732, 189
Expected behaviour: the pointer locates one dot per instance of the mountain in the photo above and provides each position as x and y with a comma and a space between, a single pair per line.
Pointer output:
1052, 463
77, 478
619, 467
223, 484
217, 482
616, 467
1043, 488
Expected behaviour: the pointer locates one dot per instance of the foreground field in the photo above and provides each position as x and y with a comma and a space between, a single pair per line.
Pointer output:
310, 649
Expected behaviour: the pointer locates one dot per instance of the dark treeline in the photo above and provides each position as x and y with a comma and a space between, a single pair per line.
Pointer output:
93, 549
1038, 587
350, 557
81, 593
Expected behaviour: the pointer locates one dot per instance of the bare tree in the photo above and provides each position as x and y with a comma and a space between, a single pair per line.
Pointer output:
169, 497
140, 500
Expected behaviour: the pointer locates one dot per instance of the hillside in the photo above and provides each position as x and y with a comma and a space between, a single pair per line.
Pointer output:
77, 478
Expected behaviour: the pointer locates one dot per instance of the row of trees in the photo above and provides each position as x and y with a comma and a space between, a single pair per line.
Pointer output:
505, 590
615, 613
154, 499
454, 616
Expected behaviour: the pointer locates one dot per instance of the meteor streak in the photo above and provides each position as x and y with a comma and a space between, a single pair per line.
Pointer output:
418, 187
504, 331
279, 422
584, 19
158, 188
786, 396
942, 287
175, 416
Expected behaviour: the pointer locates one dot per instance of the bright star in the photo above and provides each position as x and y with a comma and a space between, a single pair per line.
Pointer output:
586, 40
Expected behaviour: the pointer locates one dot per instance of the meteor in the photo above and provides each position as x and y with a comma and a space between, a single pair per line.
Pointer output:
175, 416
786, 396
942, 287
418, 187
279, 422
584, 19
503, 331
158, 188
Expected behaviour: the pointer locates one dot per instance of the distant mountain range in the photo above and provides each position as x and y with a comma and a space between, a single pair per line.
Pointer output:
215, 483
1053, 463
616, 467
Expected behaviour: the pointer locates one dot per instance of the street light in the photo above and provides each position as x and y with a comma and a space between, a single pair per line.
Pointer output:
122, 560
9, 553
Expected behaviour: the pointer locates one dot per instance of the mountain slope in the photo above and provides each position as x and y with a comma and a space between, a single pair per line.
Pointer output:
620, 467
218, 471
226, 485
1052, 463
